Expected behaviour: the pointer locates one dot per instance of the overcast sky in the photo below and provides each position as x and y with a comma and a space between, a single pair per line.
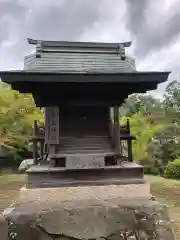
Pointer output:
152, 25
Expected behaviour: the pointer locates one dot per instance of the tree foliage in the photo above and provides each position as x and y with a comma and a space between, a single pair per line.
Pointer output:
156, 125
144, 130
173, 169
17, 114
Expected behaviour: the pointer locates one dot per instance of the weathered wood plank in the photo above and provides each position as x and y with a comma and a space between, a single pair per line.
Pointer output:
52, 125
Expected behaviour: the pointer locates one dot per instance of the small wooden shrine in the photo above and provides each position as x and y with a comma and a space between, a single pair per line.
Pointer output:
81, 85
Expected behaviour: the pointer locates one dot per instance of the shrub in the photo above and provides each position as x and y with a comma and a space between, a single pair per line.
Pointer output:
173, 169
151, 170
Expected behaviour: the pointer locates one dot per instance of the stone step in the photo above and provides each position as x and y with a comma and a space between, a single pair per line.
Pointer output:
55, 177
75, 183
83, 154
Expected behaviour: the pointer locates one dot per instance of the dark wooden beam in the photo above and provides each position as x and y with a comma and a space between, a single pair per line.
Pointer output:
117, 130
129, 143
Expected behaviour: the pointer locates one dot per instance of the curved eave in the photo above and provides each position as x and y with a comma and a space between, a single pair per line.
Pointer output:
102, 88
66, 77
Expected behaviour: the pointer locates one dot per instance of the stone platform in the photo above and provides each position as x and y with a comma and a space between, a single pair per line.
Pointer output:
74, 213
45, 176
100, 193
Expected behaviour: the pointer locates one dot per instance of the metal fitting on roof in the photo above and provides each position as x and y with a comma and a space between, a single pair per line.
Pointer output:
122, 51
38, 49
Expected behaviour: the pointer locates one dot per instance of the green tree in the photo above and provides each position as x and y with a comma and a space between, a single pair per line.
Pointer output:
143, 130
138, 103
162, 118
172, 101
17, 114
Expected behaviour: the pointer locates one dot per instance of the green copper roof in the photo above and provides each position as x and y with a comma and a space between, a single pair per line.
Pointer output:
79, 57
73, 72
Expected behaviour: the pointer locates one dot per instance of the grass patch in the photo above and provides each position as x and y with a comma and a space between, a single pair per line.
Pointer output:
168, 191
9, 188
12, 181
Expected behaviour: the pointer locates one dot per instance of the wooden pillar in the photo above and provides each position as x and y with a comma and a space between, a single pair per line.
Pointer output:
42, 148
114, 129
46, 148
129, 144
35, 151
111, 128
52, 125
52, 149
52, 130
110, 125
117, 130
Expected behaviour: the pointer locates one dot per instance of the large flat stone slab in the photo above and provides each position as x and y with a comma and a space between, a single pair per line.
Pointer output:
3, 228
111, 220
88, 213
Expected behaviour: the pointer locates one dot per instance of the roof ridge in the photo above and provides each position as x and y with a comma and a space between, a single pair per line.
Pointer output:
45, 43
89, 47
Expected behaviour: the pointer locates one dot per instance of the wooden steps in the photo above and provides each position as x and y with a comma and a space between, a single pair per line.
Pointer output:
87, 144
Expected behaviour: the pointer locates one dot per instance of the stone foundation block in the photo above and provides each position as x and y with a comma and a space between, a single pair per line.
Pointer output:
3, 228
129, 191
86, 220
103, 215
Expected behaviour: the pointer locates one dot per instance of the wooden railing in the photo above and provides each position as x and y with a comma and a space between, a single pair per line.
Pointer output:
125, 135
